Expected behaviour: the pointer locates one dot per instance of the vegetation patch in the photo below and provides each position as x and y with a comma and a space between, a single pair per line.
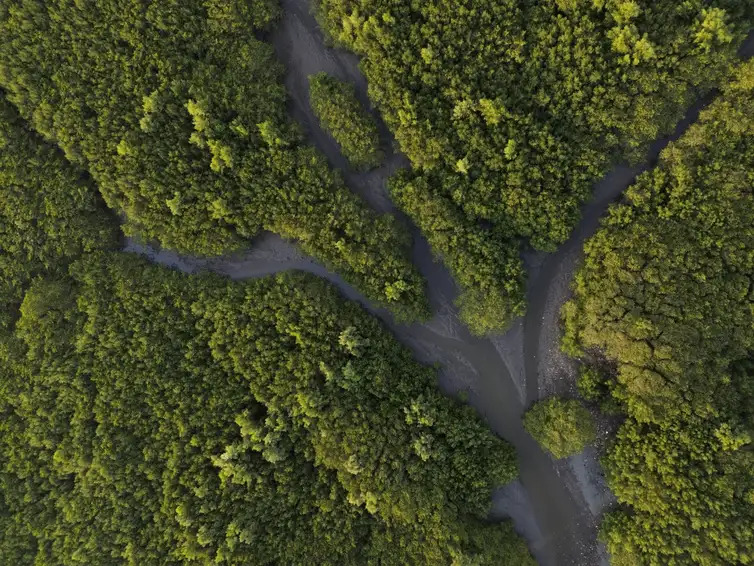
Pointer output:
510, 111
335, 104
150, 417
187, 419
178, 113
666, 291
563, 427
50, 213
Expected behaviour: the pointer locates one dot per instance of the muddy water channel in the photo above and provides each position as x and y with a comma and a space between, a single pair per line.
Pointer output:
556, 506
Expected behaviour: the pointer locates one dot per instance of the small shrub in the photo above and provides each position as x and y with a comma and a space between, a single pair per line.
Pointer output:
591, 384
563, 427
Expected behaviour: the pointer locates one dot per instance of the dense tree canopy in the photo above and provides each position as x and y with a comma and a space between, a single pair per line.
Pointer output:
335, 104
509, 110
156, 418
178, 112
667, 292
150, 417
49, 212
563, 427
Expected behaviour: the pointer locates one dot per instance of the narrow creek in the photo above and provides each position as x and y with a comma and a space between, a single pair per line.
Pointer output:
554, 505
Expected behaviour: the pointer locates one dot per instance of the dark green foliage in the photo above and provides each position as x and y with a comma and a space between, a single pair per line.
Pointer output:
563, 427
335, 104
691, 491
510, 110
591, 383
178, 112
485, 263
155, 418
596, 386
49, 212
666, 290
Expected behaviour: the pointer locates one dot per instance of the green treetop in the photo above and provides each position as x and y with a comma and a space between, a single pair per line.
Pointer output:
563, 427
341, 114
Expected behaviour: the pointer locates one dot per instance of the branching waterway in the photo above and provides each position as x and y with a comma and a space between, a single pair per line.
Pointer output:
555, 505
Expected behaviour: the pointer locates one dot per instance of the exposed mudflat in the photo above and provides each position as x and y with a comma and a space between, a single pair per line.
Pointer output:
555, 505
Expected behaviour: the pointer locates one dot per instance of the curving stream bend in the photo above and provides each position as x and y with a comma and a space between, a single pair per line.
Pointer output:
555, 505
